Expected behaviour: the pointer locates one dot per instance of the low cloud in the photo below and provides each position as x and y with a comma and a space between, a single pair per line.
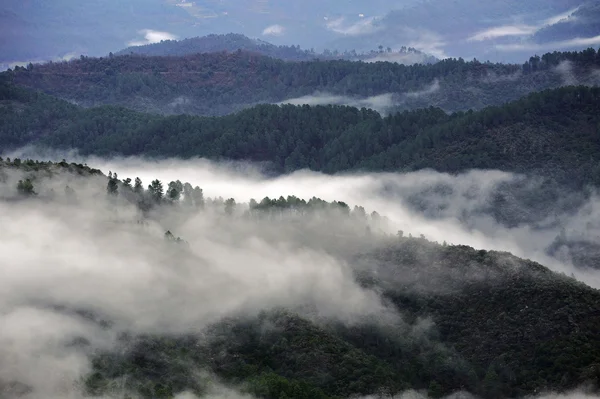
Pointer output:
152, 36
363, 26
380, 103
522, 30
565, 69
274, 30
434, 87
57, 257
427, 41
502, 31
558, 45
562, 17
400, 58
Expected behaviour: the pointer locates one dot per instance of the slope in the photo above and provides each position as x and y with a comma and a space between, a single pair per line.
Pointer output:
219, 83
456, 318
232, 42
553, 133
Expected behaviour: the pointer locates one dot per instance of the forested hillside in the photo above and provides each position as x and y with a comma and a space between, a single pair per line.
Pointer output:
219, 83
554, 133
451, 317
232, 42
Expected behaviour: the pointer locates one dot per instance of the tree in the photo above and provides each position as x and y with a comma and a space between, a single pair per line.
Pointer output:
156, 190
112, 188
174, 190
198, 196
230, 206
25, 187
138, 187
188, 192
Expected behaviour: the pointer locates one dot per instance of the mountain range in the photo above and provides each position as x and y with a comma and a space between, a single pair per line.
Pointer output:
220, 83
504, 31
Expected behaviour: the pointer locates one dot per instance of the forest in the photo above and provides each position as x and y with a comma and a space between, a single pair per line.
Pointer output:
552, 133
220, 83
480, 321
232, 42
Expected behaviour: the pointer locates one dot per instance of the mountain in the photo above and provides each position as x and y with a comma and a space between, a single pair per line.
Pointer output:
560, 141
36, 30
220, 83
218, 43
501, 31
233, 42
275, 298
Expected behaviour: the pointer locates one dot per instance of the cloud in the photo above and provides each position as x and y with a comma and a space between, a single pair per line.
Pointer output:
522, 30
502, 31
400, 58
380, 103
565, 69
274, 30
363, 26
426, 41
434, 87
563, 17
558, 45
57, 257
152, 36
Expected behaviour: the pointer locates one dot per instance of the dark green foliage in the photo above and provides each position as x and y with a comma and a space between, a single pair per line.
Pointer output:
554, 133
156, 190
237, 42
112, 186
482, 321
220, 83
25, 187
500, 327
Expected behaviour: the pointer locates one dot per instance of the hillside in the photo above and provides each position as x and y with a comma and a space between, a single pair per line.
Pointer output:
280, 306
218, 43
232, 42
553, 133
220, 83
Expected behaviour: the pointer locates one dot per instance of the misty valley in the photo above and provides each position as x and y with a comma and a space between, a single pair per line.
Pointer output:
160, 290
192, 205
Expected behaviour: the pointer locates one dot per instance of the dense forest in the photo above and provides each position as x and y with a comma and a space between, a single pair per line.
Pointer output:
471, 320
552, 133
232, 42
219, 83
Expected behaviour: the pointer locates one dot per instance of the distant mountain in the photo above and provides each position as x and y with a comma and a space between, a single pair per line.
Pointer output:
218, 43
220, 83
36, 30
498, 31
232, 42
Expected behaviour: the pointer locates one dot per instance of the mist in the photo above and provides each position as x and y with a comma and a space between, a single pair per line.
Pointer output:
383, 103
90, 254
380, 103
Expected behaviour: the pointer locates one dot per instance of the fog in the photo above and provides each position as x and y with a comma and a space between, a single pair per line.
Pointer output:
90, 253
380, 103
383, 103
